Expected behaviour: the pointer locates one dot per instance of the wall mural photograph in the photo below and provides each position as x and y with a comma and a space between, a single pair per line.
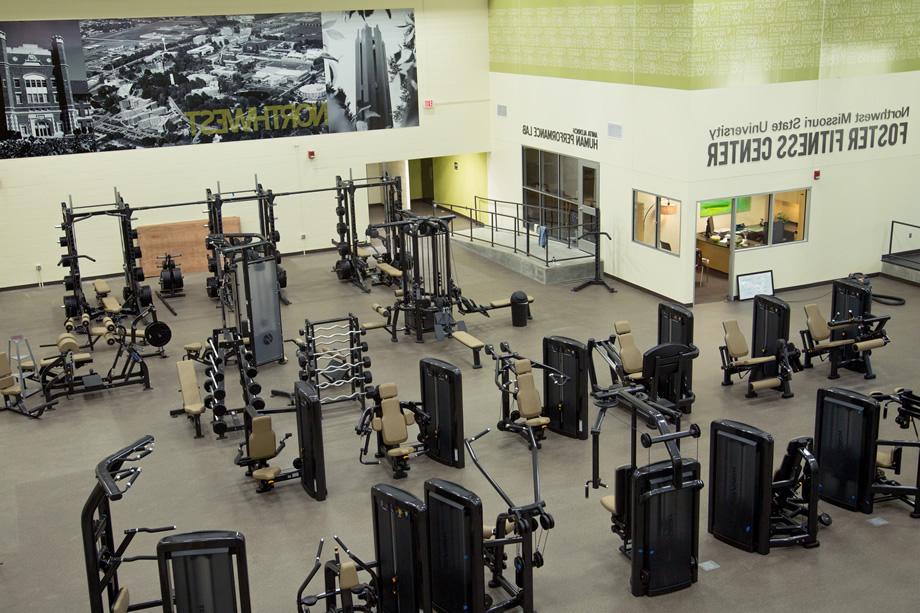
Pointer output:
110, 84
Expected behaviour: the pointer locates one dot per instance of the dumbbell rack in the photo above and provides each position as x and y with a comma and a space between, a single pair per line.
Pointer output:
333, 355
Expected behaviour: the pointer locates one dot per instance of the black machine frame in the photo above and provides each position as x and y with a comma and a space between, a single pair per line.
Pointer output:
846, 445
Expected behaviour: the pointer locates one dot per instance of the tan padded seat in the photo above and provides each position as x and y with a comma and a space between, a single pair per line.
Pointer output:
392, 421
262, 440
629, 351
188, 387
538, 422
27, 365
468, 339
365, 252
266, 474
8, 386
529, 403
192, 347
101, 287
609, 503
635, 376
874, 343
10, 390
399, 452
122, 602
885, 459
399, 293
78, 359
500, 304
373, 325
110, 304
389, 269
348, 576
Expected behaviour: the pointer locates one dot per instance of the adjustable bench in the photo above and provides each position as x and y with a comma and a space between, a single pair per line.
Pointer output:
101, 287
467, 339
192, 405
389, 270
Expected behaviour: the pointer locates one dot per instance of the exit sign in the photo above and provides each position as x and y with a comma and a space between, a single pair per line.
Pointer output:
429, 103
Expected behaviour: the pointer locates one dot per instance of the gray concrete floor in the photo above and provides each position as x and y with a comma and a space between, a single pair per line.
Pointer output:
48, 464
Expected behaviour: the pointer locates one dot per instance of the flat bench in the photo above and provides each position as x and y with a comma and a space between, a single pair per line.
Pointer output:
192, 405
506, 302
110, 304
467, 339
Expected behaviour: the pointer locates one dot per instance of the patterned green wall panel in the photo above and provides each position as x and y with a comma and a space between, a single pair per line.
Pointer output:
696, 44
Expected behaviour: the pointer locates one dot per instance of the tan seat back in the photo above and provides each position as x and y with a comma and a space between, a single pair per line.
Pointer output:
817, 325
348, 575
629, 351
392, 421
529, 403
6, 372
188, 383
734, 339
262, 442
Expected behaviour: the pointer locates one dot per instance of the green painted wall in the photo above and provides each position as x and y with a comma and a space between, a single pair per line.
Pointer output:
699, 44
415, 178
462, 184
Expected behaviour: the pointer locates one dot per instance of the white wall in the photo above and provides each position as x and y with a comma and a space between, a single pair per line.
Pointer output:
651, 156
664, 151
452, 49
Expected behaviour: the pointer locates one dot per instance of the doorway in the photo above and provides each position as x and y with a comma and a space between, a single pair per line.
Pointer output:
587, 204
714, 251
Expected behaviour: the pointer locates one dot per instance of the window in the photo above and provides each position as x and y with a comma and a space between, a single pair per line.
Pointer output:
557, 192
18, 98
760, 220
656, 221
17, 83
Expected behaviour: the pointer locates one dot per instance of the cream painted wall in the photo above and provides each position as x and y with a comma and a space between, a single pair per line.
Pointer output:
664, 151
452, 44
652, 156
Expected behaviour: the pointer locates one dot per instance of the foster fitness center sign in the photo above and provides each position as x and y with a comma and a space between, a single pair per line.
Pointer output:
804, 136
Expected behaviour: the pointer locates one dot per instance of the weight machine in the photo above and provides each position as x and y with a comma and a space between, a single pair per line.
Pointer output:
528, 419
202, 563
655, 509
249, 288
753, 508
852, 457
773, 358
852, 333
439, 416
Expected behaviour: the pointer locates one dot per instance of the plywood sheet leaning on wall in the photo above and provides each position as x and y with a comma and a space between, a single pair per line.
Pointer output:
185, 237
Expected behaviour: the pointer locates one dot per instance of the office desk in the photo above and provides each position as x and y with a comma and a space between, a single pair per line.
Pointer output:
715, 253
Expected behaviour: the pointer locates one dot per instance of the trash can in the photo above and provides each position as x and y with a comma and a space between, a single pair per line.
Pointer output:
519, 309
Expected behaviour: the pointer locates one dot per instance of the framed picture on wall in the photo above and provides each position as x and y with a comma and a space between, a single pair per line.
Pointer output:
755, 283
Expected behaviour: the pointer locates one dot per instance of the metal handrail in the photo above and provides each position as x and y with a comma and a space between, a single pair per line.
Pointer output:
520, 227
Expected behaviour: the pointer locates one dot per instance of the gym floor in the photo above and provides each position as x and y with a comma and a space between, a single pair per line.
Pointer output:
48, 464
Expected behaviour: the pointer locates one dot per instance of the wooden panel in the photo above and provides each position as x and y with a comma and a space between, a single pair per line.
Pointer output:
716, 254
185, 237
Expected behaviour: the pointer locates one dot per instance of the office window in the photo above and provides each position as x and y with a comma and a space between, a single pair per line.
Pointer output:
656, 221
788, 216
760, 220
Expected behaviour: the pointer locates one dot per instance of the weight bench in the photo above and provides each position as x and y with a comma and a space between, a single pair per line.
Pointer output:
101, 287
467, 339
110, 304
192, 405
192, 351
506, 302
391, 272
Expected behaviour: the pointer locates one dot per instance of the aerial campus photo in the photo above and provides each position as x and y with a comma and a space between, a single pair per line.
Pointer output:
107, 84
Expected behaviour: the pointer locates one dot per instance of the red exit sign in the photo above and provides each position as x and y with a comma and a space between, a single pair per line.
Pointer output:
429, 103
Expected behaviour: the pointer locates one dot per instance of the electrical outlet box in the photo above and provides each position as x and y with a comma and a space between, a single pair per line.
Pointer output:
303, 237
38, 267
